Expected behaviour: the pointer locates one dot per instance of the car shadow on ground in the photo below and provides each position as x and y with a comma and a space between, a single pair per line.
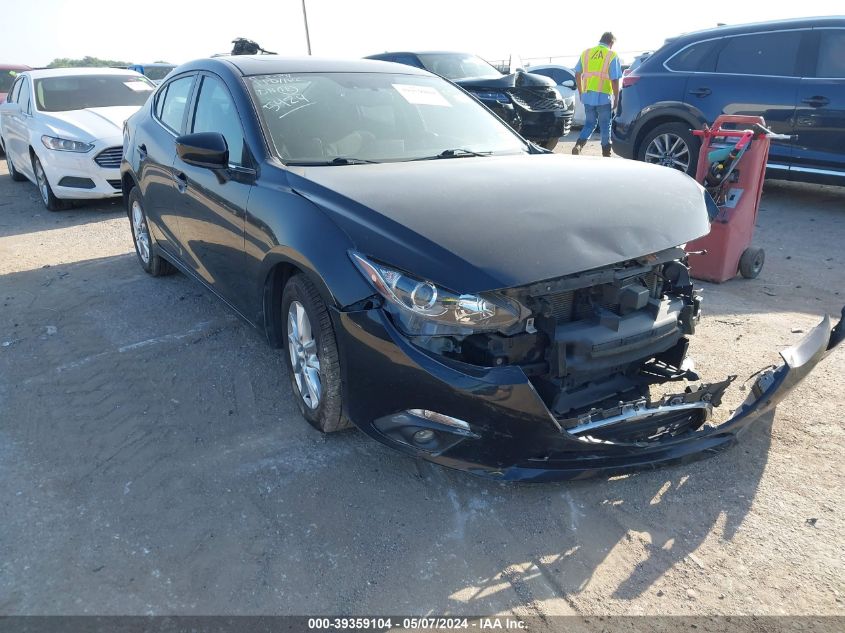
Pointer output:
155, 462
21, 210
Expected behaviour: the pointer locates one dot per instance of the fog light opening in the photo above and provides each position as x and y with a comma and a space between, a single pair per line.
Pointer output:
440, 418
423, 436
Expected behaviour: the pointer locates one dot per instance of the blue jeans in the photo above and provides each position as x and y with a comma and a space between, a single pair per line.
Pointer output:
596, 114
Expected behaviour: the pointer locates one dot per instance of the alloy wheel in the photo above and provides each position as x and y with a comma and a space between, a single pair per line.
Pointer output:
669, 150
141, 232
304, 361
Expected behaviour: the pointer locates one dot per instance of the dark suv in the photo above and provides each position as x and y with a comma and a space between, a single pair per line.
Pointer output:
792, 72
528, 102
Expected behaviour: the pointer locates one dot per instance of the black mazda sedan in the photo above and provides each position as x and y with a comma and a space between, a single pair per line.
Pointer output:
427, 281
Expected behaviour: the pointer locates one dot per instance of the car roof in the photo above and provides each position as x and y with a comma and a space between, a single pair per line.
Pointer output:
769, 25
544, 66
66, 72
276, 64
426, 53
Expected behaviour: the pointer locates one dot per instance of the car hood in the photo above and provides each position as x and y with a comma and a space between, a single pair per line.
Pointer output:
518, 79
474, 224
90, 124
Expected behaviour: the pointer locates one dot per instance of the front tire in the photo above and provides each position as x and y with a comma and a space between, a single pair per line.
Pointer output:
671, 145
311, 355
47, 196
152, 263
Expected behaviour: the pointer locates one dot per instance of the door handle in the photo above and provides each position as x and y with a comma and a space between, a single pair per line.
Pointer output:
181, 182
142, 151
816, 102
700, 92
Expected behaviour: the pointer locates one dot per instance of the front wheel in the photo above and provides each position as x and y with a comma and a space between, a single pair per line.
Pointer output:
311, 355
47, 196
671, 145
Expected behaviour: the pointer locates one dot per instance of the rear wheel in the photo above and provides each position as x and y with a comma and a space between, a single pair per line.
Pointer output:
14, 173
152, 263
311, 355
671, 145
47, 196
751, 262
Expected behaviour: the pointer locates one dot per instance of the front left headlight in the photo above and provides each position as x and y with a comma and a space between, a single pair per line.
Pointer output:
65, 145
424, 309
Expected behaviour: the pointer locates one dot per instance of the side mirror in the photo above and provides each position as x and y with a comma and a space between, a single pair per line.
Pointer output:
204, 149
569, 83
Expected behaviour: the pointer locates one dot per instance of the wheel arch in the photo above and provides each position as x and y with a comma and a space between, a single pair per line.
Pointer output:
662, 113
277, 269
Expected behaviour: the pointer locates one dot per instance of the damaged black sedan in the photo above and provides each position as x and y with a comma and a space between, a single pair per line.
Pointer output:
415, 260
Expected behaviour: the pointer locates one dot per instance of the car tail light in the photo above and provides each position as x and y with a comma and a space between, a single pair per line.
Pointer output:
630, 80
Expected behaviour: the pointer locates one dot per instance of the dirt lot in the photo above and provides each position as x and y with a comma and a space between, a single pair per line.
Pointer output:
152, 459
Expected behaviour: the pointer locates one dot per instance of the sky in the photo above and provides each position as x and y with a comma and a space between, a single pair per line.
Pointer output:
34, 32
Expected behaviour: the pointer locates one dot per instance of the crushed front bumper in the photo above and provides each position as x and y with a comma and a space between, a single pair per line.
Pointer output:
506, 431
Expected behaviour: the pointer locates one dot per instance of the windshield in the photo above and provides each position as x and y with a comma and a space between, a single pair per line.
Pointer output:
157, 72
456, 66
318, 117
77, 92
7, 78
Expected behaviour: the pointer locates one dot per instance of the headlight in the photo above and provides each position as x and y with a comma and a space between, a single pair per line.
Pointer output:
501, 97
65, 145
427, 310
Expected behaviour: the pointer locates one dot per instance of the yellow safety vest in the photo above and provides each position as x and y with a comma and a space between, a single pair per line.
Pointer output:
595, 69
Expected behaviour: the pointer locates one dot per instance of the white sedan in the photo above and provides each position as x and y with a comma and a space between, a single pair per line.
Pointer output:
63, 130
565, 79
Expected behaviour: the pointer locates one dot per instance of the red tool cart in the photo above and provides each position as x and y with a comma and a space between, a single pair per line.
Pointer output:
731, 166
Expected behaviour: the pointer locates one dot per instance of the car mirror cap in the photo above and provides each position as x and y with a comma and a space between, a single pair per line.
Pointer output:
203, 149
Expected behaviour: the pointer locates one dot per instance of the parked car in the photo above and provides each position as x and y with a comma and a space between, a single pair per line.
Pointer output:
564, 79
414, 259
638, 61
62, 130
154, 72
8, 72
529, 103
792, 72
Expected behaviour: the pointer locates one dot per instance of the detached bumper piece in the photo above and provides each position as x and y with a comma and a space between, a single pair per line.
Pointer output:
491, 422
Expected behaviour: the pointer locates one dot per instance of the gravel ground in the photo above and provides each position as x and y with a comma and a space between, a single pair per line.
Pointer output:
152, 459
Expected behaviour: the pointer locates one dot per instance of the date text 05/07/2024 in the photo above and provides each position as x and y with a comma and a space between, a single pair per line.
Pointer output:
415, 623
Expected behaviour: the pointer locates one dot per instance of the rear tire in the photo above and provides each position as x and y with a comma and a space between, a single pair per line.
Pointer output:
14, 173
152, 263
671, 145
751, 262
47, 196
311, 355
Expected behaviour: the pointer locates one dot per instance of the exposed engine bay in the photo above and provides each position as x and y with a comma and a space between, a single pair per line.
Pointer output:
596, 341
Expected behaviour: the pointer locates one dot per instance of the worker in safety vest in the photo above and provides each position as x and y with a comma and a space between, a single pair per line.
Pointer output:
597, 76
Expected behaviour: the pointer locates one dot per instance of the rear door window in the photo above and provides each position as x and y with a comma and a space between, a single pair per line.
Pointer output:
172, 106
23, 97
831, 62
699, 57
773, 54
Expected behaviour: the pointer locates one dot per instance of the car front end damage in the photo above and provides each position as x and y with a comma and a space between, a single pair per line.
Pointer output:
566, 390
529, 103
